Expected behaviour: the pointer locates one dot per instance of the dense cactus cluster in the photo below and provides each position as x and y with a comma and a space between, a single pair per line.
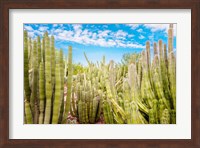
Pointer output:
140, 92
43, 80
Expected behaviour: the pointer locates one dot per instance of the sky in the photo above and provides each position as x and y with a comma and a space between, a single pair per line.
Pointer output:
96, 40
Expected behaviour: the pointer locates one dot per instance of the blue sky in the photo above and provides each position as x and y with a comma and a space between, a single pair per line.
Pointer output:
96, 40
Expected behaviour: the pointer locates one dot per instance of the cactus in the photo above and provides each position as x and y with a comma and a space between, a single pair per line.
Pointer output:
69, 81
141, 91
172, 66
28, 113
39, 49
52, 62
41, 92
165, 119
57, 99
26, 67
34, 101
48, 85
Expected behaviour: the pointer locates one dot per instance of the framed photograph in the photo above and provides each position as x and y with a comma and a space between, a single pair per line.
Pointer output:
107, 74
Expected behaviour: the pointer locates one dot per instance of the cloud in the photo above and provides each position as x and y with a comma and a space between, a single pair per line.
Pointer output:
141, 37
104, 33
80, 34
28, 28
31, 34
133, 26
37, 32
55, 25
77, 27
121, 33
43, 28
130, 35
58, 30
140, 30
160, 27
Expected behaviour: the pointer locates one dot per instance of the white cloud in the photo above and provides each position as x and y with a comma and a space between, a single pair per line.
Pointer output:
141, 37
55, 25
136, 45
37, 32
28, 28
104, 33
121, 33
77, 27
130, 35
31, 34
58, 30
133, 26
160, 27
43, 28
94, 36
140, 30
78, 34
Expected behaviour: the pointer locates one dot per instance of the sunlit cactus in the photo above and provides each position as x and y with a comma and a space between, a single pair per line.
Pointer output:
57, 99
69, 82
48, 85
41, 92
140, 91
26, 67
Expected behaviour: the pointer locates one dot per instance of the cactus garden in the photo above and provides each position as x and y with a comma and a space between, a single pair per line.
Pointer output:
139, 88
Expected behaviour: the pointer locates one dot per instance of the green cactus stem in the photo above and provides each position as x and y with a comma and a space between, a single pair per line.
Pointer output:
56, 103
34, 101
41, 92
26, 67
39, 49
165, 119
172, 66
52, 62
69, 81
48, 85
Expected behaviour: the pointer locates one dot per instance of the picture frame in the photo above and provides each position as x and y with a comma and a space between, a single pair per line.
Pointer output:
119, 4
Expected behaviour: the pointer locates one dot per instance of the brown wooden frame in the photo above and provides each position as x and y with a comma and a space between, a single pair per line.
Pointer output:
5, 5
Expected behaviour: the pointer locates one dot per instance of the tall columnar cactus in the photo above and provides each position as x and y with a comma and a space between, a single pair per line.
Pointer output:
146, 88
163, 72
142, 91
165, 56
69, 82
26, 67
41, 92
172, 66
57, 99
34, 102
165, 119
148, 54
52, 62
62, 84
48, 85
39, 49
30, 52
28, 113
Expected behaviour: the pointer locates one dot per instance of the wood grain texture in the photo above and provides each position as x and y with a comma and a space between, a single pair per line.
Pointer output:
5, 5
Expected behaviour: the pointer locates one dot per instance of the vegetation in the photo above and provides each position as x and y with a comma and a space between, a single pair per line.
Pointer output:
139, 90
